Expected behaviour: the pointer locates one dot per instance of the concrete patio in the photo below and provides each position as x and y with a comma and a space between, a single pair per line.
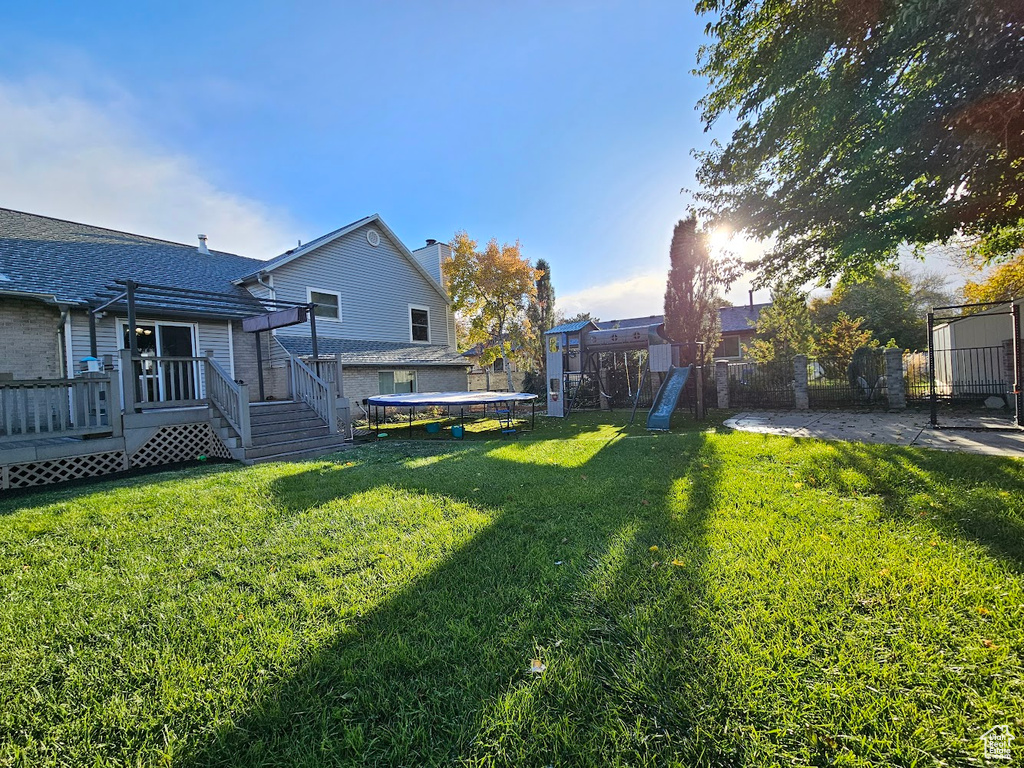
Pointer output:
911, 429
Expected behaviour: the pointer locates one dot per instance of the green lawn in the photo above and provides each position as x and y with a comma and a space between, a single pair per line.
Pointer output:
698, 598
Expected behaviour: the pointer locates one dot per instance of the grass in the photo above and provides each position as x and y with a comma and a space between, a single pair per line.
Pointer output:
698, 598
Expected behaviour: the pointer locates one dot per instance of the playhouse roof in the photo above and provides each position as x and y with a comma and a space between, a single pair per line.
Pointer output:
579, 325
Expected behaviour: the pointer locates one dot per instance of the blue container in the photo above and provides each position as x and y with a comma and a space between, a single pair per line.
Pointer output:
458, 431
433, 428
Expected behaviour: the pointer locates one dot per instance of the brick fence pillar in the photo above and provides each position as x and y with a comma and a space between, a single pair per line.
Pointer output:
800, 399
1007, 364
895, 384
722, 382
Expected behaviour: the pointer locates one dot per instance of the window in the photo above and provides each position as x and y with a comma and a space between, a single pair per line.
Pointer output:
419, 323
729, 347
499, 365
328, 304
396, 382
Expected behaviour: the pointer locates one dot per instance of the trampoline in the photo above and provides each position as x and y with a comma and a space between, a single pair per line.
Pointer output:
413, 400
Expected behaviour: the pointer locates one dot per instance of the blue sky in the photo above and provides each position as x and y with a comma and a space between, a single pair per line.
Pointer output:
566, 125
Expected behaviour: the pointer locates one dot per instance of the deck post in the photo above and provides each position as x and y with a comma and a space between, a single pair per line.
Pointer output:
133, 343
128, 382
113, 406
243, 416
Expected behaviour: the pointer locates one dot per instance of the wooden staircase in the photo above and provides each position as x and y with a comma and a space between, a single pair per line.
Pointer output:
281, 431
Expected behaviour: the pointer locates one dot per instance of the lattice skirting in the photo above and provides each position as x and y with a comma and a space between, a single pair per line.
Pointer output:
61, 470
180, 442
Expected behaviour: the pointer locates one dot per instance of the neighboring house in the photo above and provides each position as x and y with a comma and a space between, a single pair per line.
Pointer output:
381, 310
738, 325
491, 377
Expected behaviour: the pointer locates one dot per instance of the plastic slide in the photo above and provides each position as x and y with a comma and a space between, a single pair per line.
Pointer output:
668, 397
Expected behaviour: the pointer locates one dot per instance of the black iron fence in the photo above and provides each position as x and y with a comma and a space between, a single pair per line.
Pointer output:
858, 380
962, 376
761, 385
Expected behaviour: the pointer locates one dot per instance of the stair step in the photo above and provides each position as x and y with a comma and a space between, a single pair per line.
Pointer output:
284, 435
281, 406
291, 446
301, 421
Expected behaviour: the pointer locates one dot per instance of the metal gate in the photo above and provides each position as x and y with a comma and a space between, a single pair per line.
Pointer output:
969, 387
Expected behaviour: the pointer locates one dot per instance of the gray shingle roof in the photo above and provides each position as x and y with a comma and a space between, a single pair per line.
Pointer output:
375, 353
74, 262
742, 318
632, 322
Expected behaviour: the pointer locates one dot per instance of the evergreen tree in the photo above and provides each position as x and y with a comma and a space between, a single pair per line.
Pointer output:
694, 282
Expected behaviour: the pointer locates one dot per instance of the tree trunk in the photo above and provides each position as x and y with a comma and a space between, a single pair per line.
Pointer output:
508, 369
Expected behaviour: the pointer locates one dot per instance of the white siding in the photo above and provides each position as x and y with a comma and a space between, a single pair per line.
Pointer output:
377, 285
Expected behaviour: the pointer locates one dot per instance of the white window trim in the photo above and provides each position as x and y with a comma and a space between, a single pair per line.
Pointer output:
309, 298
423, 309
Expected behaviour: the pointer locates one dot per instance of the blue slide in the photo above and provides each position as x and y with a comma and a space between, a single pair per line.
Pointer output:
668, 397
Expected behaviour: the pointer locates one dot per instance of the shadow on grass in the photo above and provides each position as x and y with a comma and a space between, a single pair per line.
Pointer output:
437, 673
960, 495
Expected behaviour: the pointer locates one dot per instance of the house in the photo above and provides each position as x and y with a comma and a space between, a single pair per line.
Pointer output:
79, 302
492, 376
737, 323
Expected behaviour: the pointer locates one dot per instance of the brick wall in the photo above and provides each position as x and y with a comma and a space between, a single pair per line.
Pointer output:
29, 345
361, 382
275, 369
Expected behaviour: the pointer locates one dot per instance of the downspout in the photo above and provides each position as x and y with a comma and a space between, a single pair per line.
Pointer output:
63, 349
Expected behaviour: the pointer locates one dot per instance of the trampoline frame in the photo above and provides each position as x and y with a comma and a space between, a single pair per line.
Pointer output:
448, 399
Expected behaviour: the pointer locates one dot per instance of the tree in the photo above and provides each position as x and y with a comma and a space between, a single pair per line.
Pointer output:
694, 280
1004, 283
784, 328
577, 318
862, 126
492, 290
894, 306
835, 346
542, 312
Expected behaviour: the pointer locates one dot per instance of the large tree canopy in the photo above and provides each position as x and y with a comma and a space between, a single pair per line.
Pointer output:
491, 291
864, 125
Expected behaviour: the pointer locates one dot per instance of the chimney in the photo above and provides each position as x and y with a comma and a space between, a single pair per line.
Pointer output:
431, 256
751, 292
202, 244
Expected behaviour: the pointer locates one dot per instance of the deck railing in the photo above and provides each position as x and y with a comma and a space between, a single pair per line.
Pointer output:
316, 392
161, 382
58, 408
230, 398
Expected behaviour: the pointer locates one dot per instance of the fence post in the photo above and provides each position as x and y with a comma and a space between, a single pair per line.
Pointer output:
800, 398
895, 385
722, 382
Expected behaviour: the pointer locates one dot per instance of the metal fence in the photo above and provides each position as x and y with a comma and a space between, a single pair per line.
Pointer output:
845, 382
963, 376
761, 385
